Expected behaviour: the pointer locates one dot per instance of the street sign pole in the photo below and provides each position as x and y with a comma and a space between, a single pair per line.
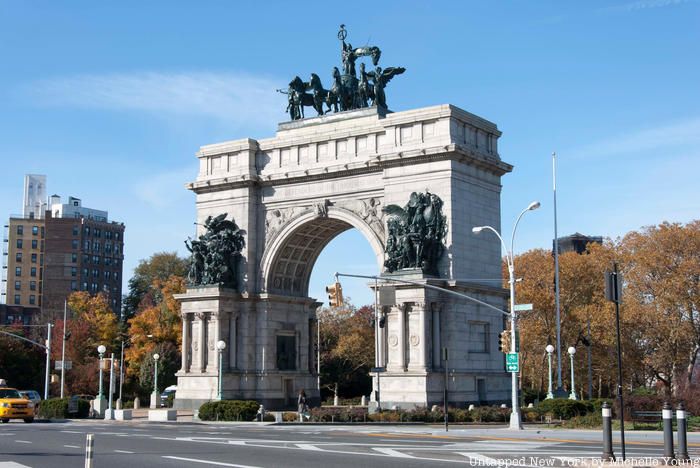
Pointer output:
444, 358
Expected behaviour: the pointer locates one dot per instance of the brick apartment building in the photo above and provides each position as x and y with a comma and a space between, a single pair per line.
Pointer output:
65, 248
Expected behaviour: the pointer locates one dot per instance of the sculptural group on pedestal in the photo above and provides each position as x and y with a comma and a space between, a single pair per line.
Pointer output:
216, 253
348, 90
415, 234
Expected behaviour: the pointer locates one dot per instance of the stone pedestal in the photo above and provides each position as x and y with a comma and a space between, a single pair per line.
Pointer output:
155, 400
99, 405
162, 415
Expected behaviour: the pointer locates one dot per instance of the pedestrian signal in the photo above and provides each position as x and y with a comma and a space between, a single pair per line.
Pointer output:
335, 294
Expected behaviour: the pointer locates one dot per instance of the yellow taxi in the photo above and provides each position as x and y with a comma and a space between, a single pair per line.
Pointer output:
14, 406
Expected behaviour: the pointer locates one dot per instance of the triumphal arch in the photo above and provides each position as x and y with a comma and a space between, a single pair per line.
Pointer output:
413, 182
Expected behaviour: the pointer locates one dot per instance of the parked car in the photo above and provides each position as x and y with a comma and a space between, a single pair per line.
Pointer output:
15, 406
166, 393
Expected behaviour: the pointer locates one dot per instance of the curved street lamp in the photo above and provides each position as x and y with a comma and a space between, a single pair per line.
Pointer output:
572, 395
515, 420
220, 345
550, 350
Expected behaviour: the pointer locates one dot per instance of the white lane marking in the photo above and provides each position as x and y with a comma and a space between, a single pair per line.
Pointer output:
309, 447
23, 441
71, 446
209, 462
123, 451
392, 452
10, 464
73, 432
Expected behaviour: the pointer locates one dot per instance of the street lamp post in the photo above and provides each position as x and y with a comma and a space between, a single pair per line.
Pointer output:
155, 400
101, 351
220, 345
572, 395
515, 420
550, 350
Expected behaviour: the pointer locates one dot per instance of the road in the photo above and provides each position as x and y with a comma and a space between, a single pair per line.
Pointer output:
143, 444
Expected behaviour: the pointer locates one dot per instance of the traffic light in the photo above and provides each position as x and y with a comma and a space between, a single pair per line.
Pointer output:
504, 341
335, 294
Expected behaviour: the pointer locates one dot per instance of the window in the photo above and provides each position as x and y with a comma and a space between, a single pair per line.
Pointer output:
32, 285
479, 337
93, 287
75, 203
108, 234
18, 257
73, 271
18, 271
35, 244
97, 232
84, 286
108, 261
116, 276
19, 243
35, 230
32, 272
116, 235
32, 299
87, 230
108, 275
20, 230
17, 299
116, 250
33, 258
74, 244
73, 285
286, 352
42, 232
74, 258
87, 245
95, 273
18, 285
76, 230
41, 259
108, 247
96, 259
96, 246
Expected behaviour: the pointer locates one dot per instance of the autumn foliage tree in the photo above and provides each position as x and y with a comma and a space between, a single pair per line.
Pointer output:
347, 349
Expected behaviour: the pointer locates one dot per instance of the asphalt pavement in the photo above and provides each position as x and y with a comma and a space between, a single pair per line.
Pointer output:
145, 444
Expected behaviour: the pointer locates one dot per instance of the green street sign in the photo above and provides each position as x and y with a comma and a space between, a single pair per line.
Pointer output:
512, 362
522, 307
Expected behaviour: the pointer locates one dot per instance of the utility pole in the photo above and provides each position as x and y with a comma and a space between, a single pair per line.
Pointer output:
63, 350
48, 362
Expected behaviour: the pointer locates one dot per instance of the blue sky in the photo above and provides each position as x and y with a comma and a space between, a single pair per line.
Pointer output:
111, 101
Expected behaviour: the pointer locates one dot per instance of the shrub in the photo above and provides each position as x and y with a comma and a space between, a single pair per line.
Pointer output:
339, 414
57, 408
170, 399
490, 414
586, 421
564, 409
229, 410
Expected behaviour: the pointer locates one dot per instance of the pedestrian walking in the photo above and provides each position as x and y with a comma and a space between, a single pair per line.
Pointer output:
301, 404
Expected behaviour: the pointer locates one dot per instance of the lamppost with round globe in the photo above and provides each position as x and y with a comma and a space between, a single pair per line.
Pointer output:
572, 395
155, 400
550, 350
515, 420
101, 351
220, 345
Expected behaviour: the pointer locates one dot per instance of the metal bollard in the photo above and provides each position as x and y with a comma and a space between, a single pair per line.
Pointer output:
667, 414
88, 450
682, 433
608, 454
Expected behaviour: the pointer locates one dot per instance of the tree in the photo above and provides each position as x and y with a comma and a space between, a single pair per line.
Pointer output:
347, 349
662, 276
156, 327
21, 363
160, 266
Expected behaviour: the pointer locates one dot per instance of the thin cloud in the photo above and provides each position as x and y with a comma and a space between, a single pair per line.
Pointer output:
231, 97
675, 136
644, 5
165, 189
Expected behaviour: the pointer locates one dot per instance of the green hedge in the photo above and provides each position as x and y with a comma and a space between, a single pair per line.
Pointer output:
564, 409
229, 410
57, 408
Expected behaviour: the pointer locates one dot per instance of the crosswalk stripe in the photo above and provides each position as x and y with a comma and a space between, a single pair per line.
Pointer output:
392, 452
